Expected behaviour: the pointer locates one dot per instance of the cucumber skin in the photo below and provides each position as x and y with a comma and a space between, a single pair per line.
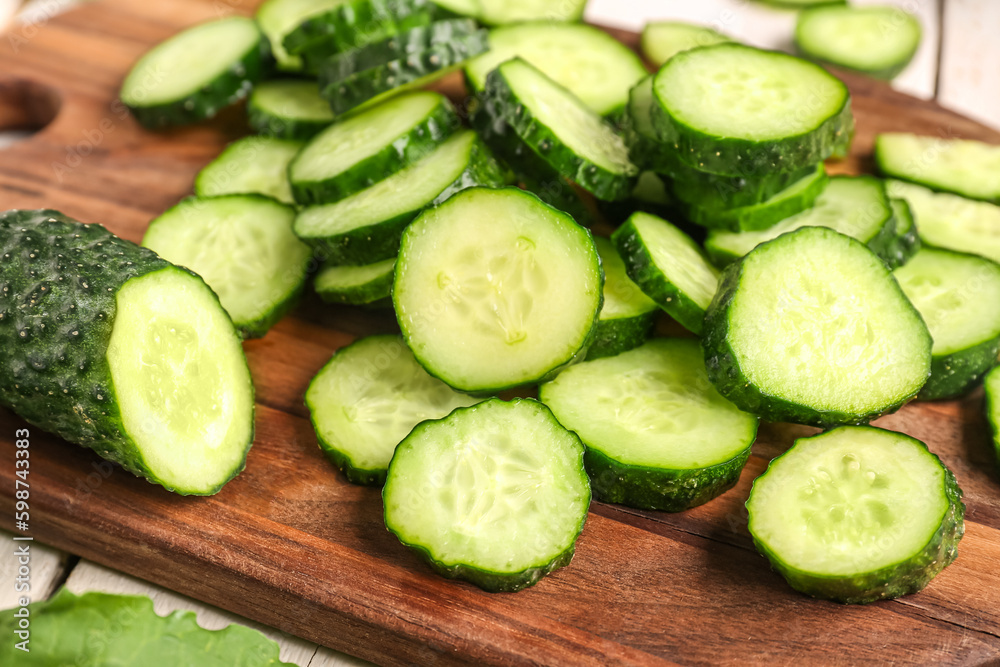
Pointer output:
57, 381
890, 582
954, 375
992, 407
906, 244
620, 334
418, 142
368, 294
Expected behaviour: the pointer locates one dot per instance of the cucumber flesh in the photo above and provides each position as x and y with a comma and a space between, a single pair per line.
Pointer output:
499, 12
662, 40
992, 384
369, 397
358, 285
252, 165
627, 315
277, 18
510, 499
967, 168
857, 514
288, 109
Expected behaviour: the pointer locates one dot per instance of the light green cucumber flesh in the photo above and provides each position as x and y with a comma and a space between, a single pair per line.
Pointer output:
877, 40
964, 167
277, 18
662, 40
252, 165
288, 108
992, 384
627, 315
499, 12
356, 284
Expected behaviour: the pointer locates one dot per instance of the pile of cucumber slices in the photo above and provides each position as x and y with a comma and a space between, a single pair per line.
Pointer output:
817, 300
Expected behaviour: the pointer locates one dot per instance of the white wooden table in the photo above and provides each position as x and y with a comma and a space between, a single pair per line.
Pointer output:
958, 64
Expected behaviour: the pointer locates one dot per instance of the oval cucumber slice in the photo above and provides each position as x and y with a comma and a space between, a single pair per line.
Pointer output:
495, 494
662, 40
252, 165
288, 109
857, 514
967, 168
627, 315
356, 285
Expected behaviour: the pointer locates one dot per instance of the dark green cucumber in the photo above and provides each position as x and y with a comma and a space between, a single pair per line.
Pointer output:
288, 109
963, 167
251, 165
658, 435
277, 18
949, 290
662, 40
992, 384
111, 347
907, 241
511, 501
857, 514
196, 73
356, 285
627, 315
811, 328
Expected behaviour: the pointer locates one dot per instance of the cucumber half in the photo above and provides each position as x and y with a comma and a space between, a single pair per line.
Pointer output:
480, 279
811, 328
729, 109
495, 494
967, 168
949, 290
668, 266
244, 248
627, 315
658, 434
194, 74
288, 109
857, 514
356, 285
122, 352
369, 397
662, 40
252, 165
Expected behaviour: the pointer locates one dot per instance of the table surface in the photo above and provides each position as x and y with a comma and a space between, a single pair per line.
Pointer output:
956, 65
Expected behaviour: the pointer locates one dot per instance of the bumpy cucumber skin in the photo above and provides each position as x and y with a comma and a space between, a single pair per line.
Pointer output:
909, 576
734, 156
419, 141
369, 293
493, 582
264, 122
906, 243
620, 334
225, 90
954, 375
56, 320
501, 104
379, 241
642, 269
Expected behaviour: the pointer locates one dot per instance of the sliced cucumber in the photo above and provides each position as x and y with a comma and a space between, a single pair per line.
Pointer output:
853, 205
811, 328
119, 351
277, 18
365, 148
658, 434
627, 315
733, 109
288, 109
649, 195
495, 494
560, 129
369, 397
949, 289
244, 248
252, 165
662, 40
801, 4
907, 241
857, 514
585, 60
194, 74
992, 383
480, 278
365, 228
499, 12
668, 266
948, 221
967, 168
356, 285
879, 41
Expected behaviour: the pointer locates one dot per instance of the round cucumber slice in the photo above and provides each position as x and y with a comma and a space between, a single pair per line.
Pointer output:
627, 315
357, 285
658, 434
495, 494
369, 397
811, 328
480, 279
949, 289
252, 165
967, 168
662, 40
857, 514
288, 109
277, 18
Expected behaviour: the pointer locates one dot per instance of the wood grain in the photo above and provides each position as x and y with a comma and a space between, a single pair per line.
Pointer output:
290, 544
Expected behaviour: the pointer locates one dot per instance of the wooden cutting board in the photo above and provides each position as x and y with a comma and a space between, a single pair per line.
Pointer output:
290, 543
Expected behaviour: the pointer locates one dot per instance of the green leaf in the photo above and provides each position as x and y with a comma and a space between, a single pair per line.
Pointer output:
123, 631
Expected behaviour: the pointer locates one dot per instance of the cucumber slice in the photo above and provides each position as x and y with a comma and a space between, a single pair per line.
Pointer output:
992, 384
794, 199
495, 494
367, 398
277, 18
252, 165
948, 221
365, 148
949, 289
627, 315
857, 514
244, 248
288, 109
658, 435
801, 4
907, 241
480, 278
853, 205
879, 41
730, 109
662, 40
194, 74
560, 129
585, 60
967, 168
357, 285
121, 352
668, 266
499, 12
365, 228
811, 328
